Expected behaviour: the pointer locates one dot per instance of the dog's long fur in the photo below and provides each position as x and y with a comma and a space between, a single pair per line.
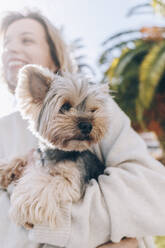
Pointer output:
68, 115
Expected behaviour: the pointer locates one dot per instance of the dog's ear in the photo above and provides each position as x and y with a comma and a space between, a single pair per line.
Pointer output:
35, 80
33, 84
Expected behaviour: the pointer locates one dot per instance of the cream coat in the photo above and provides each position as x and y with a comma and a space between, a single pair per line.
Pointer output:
127, 201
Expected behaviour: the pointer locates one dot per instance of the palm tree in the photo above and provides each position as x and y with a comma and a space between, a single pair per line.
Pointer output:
76, 47
137, 75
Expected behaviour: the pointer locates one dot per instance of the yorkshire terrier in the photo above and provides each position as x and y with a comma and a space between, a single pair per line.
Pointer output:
68, 115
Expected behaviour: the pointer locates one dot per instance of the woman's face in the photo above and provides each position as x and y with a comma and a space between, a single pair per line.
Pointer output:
24, 43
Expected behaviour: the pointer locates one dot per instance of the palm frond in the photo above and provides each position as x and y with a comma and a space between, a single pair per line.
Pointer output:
104, 57
77, 44
138, 7
137, 74
128, 55
126, 92
118, 35
151, 71
111, 70
84, 67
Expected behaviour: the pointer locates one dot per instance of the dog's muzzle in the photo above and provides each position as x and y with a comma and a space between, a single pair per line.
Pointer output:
85, 127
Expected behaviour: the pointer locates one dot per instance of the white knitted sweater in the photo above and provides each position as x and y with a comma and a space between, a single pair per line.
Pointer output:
126, 201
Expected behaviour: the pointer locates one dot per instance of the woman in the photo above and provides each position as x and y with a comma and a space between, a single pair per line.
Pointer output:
125, 201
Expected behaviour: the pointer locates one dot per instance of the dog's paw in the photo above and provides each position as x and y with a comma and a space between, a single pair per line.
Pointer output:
4, 180
40, 195
28, 226
11, 172
67, 182
33, 199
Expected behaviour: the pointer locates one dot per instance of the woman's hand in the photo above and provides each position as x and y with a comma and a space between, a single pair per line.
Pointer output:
125, 243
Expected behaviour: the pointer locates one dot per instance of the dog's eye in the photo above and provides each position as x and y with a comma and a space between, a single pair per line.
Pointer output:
93, 110
65, 107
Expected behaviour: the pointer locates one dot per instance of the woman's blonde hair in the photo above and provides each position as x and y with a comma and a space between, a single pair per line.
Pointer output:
58, 49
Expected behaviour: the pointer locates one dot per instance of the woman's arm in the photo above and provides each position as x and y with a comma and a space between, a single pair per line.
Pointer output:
133, 188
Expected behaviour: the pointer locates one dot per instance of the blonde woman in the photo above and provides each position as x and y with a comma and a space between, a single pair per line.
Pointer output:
127, 200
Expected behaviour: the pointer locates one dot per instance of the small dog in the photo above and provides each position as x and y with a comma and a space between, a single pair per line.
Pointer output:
68, 115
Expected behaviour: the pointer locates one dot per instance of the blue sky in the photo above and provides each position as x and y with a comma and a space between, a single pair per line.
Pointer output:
91, 20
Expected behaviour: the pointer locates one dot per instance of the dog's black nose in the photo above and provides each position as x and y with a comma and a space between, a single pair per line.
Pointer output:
85, 127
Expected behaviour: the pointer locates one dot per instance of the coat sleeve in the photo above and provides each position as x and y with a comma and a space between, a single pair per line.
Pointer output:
133, 184
128, 200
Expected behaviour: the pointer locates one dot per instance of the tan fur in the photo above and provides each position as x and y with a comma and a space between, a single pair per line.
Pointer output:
41, 192
31, 106
11, 172
69, 88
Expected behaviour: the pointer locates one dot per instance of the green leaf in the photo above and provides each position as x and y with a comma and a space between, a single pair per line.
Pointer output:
126, 92
128, 57
105, 56
151, 71
113, 37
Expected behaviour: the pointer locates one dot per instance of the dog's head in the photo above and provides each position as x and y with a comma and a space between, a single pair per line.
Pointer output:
66, 111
